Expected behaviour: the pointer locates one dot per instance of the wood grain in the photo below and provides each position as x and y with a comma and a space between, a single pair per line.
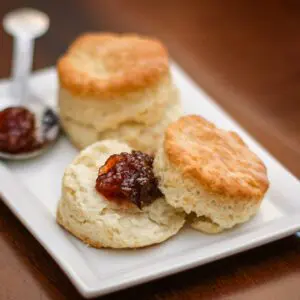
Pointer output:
246, 54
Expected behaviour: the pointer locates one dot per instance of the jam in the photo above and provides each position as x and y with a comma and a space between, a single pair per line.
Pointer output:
17, 130
128, 177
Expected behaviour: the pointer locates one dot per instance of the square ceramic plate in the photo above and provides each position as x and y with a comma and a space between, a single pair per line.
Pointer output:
96, 272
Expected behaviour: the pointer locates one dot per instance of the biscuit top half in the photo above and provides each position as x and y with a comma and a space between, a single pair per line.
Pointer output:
106, 64
218, 160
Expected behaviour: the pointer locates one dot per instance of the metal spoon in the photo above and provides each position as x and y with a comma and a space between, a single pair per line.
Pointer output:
25, 25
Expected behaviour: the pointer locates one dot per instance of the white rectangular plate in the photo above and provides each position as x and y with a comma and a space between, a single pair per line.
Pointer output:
32, 189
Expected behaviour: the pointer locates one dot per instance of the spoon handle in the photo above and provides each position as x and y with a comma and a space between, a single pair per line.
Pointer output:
21, 67
24, 24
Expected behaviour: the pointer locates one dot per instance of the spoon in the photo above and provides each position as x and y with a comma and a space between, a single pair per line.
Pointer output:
25, 25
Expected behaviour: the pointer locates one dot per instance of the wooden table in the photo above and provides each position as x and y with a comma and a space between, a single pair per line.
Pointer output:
246, 54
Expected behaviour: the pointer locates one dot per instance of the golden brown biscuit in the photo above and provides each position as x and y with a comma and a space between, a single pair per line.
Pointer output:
109, 82
99, 64
210, 172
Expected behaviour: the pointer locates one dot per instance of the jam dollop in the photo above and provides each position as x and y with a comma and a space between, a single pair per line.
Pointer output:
17, 130
128, 177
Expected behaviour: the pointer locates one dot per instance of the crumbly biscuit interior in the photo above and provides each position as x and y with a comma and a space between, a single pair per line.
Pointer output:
91, 217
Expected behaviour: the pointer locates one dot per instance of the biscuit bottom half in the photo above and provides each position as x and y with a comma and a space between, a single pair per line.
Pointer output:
138, 135
103, 223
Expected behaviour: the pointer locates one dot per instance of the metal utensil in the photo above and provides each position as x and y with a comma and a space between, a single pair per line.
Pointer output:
25, 25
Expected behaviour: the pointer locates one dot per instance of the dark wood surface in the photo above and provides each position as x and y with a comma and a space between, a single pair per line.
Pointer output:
246, 54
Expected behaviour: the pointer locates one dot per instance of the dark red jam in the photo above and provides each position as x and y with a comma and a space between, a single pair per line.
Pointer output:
17, 130
128, 177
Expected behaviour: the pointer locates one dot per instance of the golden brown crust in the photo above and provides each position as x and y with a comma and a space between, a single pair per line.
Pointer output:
219, 160
106, 64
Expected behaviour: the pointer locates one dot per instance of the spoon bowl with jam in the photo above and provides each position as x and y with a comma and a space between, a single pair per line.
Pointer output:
25, 133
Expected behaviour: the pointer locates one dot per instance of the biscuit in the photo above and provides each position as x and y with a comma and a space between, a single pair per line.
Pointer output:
210, 173
103, 223
109, 80
108, 64
139, 136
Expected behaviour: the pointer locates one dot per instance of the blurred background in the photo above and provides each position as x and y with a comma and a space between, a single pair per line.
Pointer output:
246, 54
